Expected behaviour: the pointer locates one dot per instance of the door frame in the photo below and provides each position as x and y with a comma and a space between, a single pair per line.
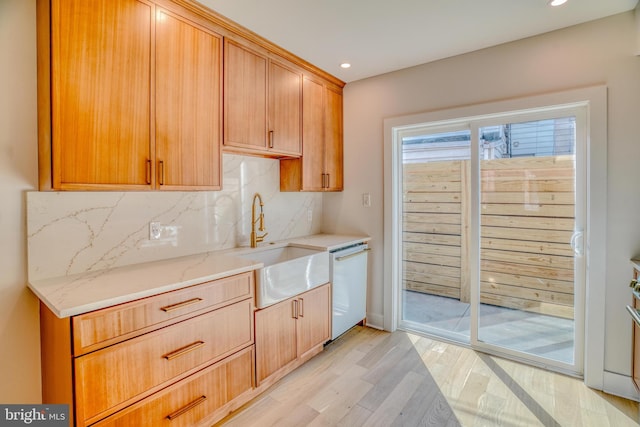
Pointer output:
595, 101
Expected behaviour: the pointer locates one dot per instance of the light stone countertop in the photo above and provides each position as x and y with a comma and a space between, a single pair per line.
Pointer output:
81, 293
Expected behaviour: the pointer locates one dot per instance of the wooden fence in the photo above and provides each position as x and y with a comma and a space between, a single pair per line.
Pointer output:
527, 217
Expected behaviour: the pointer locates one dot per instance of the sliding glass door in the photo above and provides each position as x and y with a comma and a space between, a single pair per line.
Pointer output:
492, 230
530, 237
435, 232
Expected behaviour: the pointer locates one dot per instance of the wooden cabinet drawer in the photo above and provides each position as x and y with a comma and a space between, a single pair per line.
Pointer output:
111, 378
193, 400
100, 328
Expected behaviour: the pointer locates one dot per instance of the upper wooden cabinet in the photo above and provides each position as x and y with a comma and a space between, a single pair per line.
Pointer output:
132, 96
114, 123
100, 103
188, 105
262, 103
321, 166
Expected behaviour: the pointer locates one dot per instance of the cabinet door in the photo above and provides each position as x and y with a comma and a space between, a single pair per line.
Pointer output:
100, 89
314, 326
285, 97
275, 338
313, 138
245, 98
188, 105
333, 139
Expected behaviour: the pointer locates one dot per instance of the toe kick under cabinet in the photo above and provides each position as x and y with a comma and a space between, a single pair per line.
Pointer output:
181, 358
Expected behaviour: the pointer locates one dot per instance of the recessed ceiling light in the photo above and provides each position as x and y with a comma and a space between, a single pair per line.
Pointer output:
345, 65
557, 2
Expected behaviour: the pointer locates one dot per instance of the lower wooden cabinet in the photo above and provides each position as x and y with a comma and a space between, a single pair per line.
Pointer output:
192, 367
182, 358
291, 331
118, 375
195, 401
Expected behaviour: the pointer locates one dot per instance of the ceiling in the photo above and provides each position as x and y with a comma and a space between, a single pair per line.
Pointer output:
379, 36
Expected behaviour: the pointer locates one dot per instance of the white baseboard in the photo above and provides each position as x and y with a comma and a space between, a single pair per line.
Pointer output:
620, 385
375, 321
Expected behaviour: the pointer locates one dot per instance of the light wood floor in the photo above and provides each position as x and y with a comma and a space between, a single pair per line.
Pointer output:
373, 378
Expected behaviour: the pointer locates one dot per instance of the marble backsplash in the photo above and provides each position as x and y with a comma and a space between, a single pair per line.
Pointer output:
77, 232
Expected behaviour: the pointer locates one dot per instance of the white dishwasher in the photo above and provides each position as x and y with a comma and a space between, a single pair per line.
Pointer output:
349, 287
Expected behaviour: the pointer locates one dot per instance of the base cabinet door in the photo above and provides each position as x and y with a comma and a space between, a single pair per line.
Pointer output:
275, 338
313, 322
290, 330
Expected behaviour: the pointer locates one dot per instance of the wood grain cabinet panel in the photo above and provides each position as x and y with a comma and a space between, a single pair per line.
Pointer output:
321, 166
262, 103
100, 328
101, 107
291, 331
333, 139
135, 94
314, 326
276, 338
108, 379
188, 105
285, 109
245, 97
192, 402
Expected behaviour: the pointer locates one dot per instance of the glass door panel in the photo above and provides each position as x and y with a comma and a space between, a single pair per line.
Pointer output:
435, 292
527, 228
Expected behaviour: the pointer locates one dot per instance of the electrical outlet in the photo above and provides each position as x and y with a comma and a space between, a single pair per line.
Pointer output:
155, 229
309, 215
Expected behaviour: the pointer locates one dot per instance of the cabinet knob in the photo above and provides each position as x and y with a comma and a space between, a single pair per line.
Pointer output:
161, 172
270, 139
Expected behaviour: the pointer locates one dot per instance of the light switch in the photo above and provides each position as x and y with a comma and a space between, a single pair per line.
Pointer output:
366, 200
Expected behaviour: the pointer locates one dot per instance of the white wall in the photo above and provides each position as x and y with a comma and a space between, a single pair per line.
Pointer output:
19, 326
600, 52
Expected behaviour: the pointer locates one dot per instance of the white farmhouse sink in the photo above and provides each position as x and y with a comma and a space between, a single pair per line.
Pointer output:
287, 272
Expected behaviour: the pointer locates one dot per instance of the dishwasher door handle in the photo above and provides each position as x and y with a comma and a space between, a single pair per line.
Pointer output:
342, 258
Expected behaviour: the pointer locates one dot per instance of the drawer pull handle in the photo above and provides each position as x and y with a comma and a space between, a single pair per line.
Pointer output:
180, 305
183, 350
189, 406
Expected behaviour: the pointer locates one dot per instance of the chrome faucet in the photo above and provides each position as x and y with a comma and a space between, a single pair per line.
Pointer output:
255, 239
